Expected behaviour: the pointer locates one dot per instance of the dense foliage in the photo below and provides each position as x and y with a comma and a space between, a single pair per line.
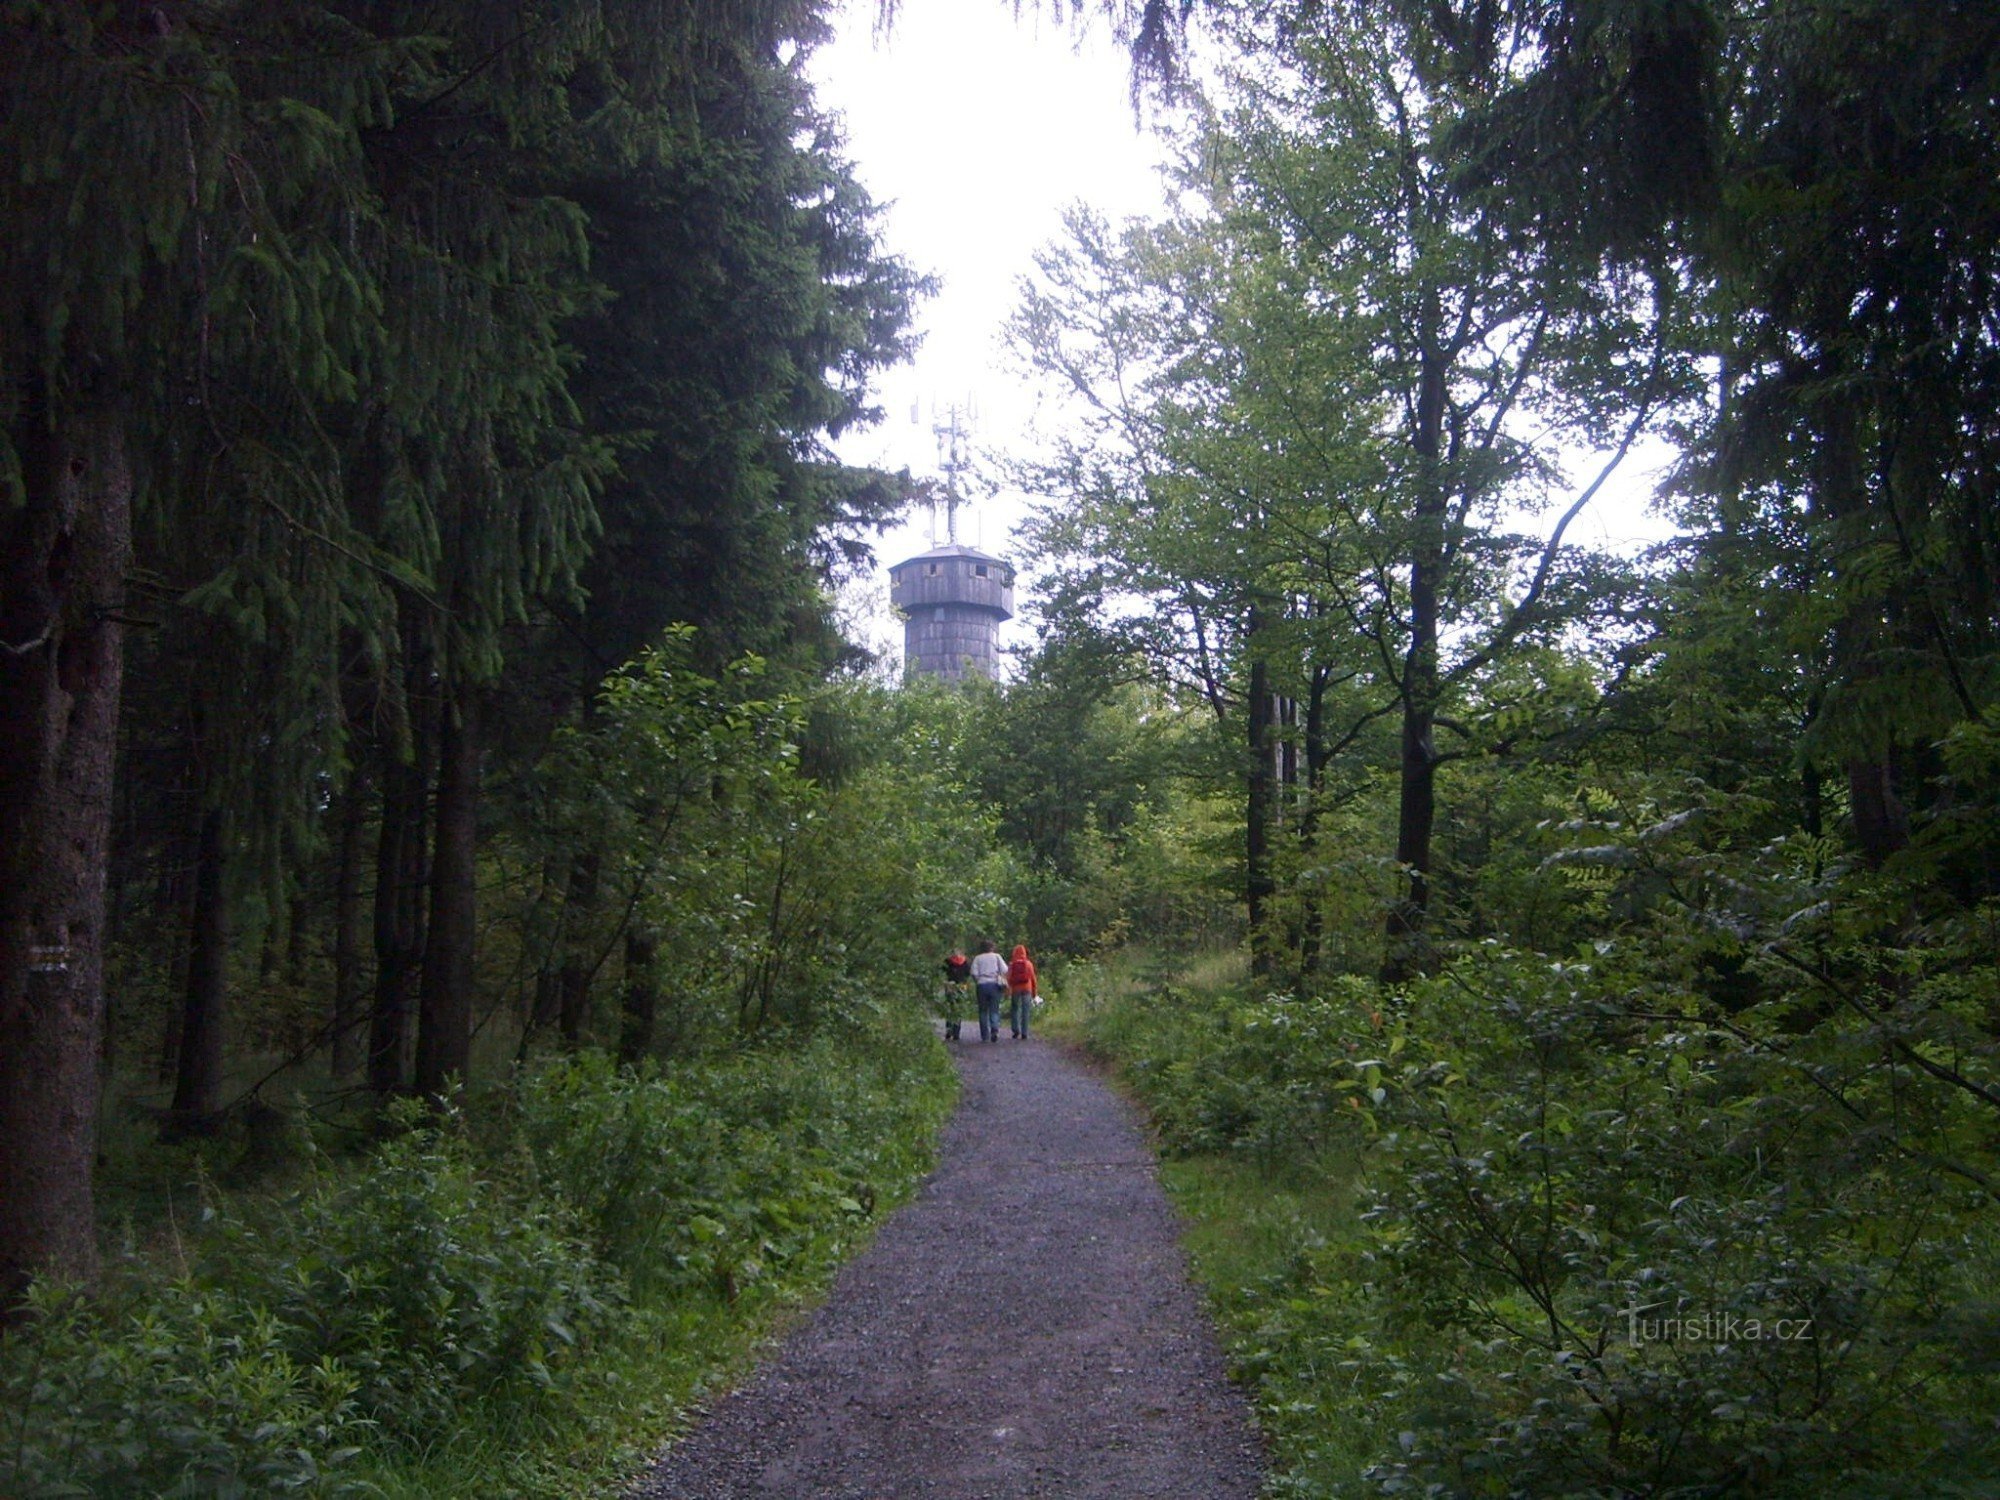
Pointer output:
377, 380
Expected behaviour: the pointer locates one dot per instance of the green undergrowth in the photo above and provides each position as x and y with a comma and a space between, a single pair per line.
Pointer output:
520, 1303
1276, 1254
1534, 1226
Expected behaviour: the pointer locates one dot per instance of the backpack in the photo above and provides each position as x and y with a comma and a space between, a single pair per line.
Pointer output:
1019, 972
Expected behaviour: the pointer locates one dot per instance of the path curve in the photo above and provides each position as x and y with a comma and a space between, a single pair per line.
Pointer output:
1023, 1327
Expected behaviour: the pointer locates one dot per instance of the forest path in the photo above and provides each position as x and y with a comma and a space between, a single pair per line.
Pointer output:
1024, 1327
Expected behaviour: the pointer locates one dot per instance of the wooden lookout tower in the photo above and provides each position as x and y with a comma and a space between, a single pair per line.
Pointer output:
953, 597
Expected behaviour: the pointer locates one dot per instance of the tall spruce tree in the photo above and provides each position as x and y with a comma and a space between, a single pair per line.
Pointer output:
178, 212
746, 308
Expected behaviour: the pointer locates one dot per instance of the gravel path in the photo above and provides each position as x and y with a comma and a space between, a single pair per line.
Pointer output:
1024, 1327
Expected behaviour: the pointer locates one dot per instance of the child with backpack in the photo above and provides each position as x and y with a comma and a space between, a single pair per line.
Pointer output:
1021, 986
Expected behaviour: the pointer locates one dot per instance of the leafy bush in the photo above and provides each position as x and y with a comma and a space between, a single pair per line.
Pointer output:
374, 1307
446, 1299
435, 1279
170, 1389
1614, 1239
709, 1176
1273, 1076
1620, 1251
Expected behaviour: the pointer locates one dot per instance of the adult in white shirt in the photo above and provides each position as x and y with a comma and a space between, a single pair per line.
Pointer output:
989, 974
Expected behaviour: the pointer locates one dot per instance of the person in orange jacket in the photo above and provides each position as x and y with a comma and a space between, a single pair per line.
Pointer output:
1021, 986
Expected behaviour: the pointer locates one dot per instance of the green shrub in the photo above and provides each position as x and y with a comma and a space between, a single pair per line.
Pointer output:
1580, 1183
170, 1389
431, 1319
1619, 1251
631, 1150
435, 1279
710, 1176
1273, 1076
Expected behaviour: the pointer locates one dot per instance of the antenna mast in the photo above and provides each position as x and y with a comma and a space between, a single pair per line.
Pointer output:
952, 431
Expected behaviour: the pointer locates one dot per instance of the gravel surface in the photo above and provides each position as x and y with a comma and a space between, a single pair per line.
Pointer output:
1024, 1326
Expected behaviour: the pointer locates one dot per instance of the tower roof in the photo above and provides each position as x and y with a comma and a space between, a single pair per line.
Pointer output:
951, 549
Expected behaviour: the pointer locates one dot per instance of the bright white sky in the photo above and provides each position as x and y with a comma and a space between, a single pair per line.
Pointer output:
977, 126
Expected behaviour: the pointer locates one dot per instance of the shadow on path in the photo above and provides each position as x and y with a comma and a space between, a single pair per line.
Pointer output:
1023, 1327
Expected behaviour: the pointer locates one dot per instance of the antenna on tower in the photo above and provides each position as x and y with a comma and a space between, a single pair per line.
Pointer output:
953, 430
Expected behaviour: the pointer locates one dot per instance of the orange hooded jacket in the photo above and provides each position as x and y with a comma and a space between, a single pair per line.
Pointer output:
1021, 972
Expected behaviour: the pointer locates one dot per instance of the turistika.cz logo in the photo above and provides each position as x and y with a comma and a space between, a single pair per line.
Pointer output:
1712, 1328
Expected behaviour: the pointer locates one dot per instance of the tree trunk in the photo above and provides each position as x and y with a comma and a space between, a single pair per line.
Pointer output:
544, 1002
540, 1011
642, 993
1287, 753
1812, 782
175, 893
345, 1024
578, 965
399, 924
1881, 823
1312, 924
63, 556
444, 1023
1406, 949
1258, 883
298, 934
198, 1070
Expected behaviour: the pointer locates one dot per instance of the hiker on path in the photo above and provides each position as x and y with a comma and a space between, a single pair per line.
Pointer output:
989, 974
1021, 985
957, 982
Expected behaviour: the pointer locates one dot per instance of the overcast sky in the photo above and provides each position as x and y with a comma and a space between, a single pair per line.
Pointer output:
977, 126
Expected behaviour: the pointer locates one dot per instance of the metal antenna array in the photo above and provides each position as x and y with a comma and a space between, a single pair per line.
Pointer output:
953, 431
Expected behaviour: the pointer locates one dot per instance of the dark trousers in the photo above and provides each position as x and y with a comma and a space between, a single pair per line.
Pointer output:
989, 1012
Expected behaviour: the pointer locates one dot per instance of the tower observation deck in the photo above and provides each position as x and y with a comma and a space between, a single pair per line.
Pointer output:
953, 597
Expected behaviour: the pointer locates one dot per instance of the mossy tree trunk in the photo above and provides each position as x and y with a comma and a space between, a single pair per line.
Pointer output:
64, 553
444, 1023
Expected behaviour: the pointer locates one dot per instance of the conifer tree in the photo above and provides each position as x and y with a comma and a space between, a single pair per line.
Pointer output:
181, 187
298, 298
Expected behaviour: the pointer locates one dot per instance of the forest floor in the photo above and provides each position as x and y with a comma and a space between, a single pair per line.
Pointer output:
1024, 1327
